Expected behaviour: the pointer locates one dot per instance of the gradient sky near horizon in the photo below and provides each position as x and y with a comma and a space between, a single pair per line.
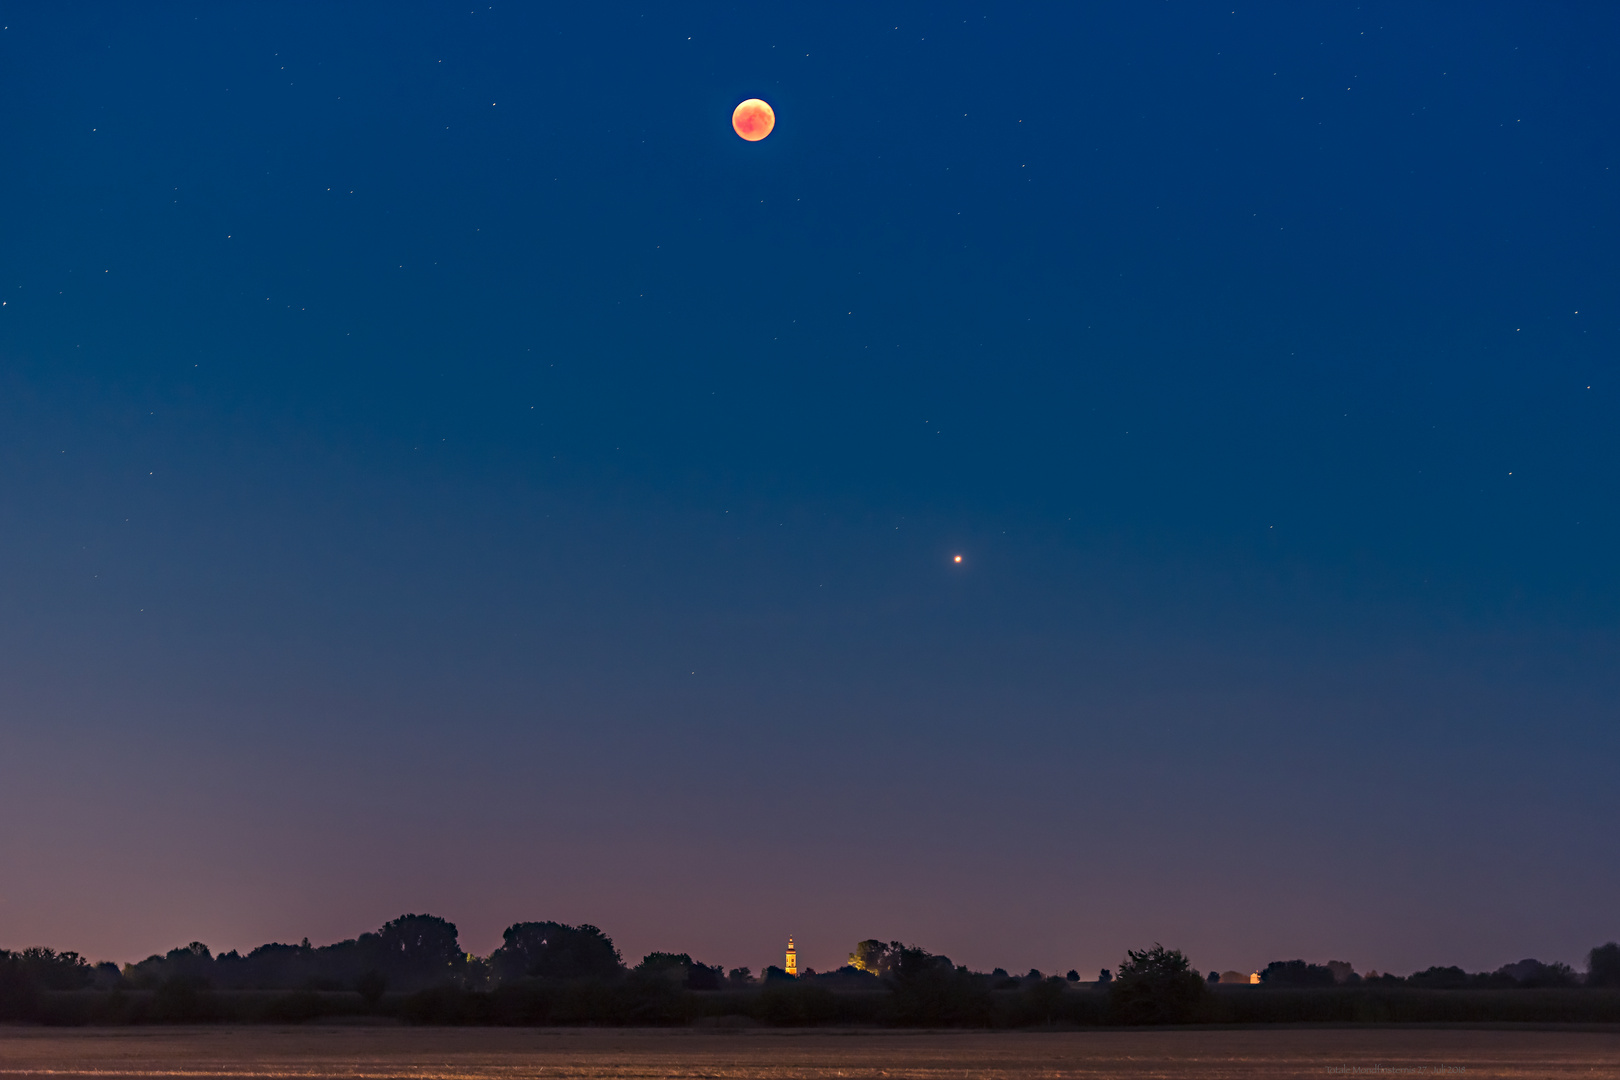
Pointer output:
444, 469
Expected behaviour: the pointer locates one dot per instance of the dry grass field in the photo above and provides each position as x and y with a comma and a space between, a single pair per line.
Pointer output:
509, 1054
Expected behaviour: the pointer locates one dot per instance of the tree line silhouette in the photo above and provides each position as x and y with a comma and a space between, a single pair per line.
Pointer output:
413, 969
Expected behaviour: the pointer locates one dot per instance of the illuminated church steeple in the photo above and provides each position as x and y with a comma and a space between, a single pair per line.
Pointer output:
792, 959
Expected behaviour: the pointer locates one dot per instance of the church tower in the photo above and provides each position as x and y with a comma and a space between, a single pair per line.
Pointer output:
792, 959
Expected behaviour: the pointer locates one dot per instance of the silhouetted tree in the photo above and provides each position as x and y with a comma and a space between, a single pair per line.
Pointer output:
1295, 973
417, 950
1073, 975
1439, 978
894, 960
1214, 977
909, 962
707, 977
1603, 965
849, 978
1156, 986
275, 966
681, 970
550, 950
1553, 974
193, 962
1532, 973
671, 966
872, 956
1103, 976
929, 990
1342, 972
18, 996
48, 969
740, 977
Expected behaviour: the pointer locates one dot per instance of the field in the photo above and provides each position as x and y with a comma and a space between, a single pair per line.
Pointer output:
509, 1054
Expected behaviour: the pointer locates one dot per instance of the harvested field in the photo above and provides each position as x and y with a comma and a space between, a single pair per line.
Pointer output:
508, 1054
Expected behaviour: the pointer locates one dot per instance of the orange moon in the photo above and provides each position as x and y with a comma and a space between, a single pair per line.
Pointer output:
753, 119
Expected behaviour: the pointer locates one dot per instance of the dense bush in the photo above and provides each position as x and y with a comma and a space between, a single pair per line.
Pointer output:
1156, 986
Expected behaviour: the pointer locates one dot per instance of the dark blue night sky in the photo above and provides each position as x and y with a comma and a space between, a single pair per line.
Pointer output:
443, 468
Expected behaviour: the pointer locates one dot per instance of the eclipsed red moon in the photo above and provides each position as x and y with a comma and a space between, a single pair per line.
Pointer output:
753, 119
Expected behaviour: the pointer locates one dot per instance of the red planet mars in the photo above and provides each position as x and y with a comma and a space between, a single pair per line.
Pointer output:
753, 119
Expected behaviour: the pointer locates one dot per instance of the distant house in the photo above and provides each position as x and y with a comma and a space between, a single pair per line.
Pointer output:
1237, 978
